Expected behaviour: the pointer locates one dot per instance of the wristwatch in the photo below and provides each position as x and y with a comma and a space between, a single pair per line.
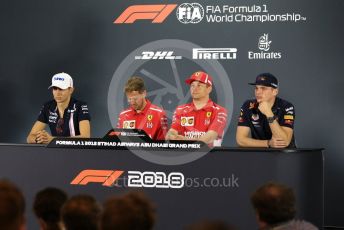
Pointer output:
271, 119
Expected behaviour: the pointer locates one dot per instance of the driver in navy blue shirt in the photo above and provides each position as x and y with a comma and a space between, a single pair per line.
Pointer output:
267, 120
66, 116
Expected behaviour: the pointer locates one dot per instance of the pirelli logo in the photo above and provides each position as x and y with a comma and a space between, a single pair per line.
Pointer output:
214, 53
156, 13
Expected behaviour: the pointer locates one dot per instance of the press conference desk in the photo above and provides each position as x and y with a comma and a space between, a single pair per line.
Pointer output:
201, 197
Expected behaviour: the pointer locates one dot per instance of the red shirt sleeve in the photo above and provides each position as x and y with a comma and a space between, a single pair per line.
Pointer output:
176, 124
219, 121
162, 129
120, 122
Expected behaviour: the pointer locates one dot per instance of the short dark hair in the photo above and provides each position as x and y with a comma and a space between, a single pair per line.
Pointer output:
135, 84
81, 212
132, 211
274, 203
12, 206
47, 206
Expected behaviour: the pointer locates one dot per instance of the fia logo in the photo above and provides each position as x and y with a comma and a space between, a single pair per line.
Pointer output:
190, 13
264, 43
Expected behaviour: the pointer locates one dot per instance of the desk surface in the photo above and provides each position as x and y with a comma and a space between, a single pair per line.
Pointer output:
239, 149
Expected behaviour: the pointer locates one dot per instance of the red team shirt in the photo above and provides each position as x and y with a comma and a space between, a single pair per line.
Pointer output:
193, 123
152, 119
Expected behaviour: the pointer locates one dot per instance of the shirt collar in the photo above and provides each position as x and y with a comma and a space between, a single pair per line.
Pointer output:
71, 102
207, 106
144, 111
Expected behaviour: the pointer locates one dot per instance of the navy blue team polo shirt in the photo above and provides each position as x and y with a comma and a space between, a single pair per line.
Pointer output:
251, 117
73, 114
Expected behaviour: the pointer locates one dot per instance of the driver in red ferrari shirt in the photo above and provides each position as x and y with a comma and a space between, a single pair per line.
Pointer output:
142, 114
202, 119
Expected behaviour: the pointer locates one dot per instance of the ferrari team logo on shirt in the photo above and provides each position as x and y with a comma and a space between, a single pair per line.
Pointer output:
129, 124
187, 121
208, 114
149, 117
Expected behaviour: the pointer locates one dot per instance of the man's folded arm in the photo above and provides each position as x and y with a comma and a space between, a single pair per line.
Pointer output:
244, 140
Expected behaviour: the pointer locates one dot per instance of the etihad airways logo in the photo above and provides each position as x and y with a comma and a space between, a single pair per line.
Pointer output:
156, 13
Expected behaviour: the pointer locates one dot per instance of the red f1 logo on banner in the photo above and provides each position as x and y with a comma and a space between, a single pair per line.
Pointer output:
156, 13
107, 177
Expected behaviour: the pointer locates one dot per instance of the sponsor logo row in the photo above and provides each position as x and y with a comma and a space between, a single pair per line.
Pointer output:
197, 53
193, 13
264, 52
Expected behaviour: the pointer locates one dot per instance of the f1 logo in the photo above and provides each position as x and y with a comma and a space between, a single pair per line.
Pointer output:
156, 13
107, 177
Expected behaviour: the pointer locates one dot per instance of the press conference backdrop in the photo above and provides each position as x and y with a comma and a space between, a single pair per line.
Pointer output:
102, 43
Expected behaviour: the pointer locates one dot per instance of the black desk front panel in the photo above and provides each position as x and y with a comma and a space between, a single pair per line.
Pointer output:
237, 173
